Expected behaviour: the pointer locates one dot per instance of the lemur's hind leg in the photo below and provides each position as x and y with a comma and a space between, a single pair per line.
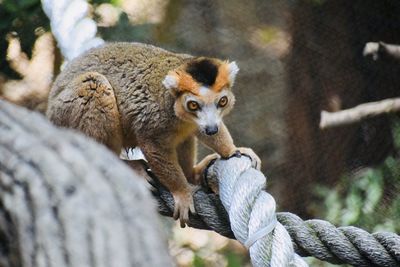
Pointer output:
199, 168
88, 104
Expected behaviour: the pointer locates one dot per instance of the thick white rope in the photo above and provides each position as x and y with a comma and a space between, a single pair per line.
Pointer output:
74, 31
252, 213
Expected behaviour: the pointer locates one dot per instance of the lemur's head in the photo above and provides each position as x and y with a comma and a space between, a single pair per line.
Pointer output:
202, 88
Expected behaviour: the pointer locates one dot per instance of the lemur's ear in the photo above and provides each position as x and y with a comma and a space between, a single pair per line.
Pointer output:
178, 81
171, 82
233, 69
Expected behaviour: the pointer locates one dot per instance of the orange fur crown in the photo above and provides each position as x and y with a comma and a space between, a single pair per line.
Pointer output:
202, 72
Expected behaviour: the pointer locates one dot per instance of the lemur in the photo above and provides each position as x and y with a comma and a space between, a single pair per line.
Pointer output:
130, 94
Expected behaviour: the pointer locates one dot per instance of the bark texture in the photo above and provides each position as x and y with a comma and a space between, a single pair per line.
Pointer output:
67, 201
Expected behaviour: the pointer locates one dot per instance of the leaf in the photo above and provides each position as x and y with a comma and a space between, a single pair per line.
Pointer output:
25, 4
233, 260
198, 261
374, 191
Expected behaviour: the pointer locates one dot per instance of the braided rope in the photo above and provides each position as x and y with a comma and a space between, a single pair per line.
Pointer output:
316, 238
252, 213
73, 30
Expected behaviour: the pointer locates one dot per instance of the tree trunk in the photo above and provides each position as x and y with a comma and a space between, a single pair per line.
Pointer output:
327, 71
67, 201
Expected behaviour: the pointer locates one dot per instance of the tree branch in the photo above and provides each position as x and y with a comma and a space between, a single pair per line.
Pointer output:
358, 113
381, 50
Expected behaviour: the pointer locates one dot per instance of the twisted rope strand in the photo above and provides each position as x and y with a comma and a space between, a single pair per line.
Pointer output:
252, 212
74, 31
316, 238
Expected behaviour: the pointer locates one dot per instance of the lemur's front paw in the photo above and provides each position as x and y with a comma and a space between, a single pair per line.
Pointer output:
255, 160
199, 168
183, 204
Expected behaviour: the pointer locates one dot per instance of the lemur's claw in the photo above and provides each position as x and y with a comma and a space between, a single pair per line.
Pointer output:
237, 154
183, 205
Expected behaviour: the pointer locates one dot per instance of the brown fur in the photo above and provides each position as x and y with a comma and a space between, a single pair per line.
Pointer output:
114, 94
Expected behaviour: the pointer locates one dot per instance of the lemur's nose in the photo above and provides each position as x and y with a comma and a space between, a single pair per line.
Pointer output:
211, 130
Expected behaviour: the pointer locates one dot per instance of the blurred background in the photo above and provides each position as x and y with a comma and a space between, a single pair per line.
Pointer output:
297, 58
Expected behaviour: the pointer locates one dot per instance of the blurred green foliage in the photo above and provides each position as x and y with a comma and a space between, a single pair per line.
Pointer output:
234, 260
268, 33
198, 261
22, 17
368, 199
232, 257
26, 19
113, 2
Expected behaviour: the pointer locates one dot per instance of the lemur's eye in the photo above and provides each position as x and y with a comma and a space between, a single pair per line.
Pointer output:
222, 102
192, 105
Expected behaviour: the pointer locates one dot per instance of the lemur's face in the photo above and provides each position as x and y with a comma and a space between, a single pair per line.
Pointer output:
206, 109
203, 94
